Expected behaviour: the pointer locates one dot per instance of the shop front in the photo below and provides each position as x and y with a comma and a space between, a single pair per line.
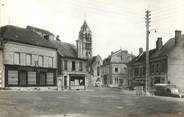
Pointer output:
26, 76
77, 81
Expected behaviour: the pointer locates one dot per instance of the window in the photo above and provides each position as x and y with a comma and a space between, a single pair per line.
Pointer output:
163, 66
141, 71
73, 65
40, 61
116, 80
31, 78
22, 78
16, 58
116, 69
50, 62
12, 77
144, 70
50, 78
80, 66
65, 65
157, 67
152, 68
98, 71
28, 59
136, 72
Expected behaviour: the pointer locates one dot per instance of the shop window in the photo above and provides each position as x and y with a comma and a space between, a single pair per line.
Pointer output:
16, 58
31, 78
12, 77
50, 62
73, 65
22, 78
76, 82
40, 61
65, 65
28, 59
50, 78
80, 66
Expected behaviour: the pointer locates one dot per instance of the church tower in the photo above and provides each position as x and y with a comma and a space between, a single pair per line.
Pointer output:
84, 42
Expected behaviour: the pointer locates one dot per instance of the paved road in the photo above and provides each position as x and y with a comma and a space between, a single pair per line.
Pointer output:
102, 102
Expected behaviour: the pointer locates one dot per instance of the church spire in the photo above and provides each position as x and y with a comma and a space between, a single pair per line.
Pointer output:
84, 42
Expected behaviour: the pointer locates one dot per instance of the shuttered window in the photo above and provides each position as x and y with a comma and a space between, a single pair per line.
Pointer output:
31, 78
13, 77
50, 78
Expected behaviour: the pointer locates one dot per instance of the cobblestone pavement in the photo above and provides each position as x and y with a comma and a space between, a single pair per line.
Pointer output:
96, 102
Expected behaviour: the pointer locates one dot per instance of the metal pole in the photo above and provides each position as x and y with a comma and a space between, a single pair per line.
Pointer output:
147, 50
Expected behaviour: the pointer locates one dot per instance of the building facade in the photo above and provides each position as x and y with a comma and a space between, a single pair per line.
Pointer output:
72, 60
114, 69
71, 69
166, 63
27, 59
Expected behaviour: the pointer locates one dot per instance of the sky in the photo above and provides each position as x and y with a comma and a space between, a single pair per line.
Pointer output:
115, 24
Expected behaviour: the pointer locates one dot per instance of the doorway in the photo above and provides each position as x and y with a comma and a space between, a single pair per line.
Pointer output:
22, 78
65, 82
42, 78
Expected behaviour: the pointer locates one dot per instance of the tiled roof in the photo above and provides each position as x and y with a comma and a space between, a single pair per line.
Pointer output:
142, 57
22, 35
66, 49
93, 59
39, 30
165, 49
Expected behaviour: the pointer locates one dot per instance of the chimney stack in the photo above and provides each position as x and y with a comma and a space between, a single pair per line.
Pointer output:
140, 51
177, 37
159, 43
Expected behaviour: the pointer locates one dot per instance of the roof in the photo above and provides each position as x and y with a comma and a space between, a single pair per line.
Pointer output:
165, 49
93, 59
142, 57
120, 52
22, 35
39, 30
66, 49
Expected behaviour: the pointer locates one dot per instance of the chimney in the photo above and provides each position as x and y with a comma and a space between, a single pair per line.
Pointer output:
140, 51
57, 38
159, 43
177, 37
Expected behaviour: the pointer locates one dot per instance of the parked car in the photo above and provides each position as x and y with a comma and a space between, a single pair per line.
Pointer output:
167, 90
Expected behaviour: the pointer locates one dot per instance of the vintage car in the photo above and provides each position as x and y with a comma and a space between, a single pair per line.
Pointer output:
167, 90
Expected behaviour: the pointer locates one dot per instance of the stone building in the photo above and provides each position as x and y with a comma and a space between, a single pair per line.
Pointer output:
114, 69
166, 63
72, 60
27, 59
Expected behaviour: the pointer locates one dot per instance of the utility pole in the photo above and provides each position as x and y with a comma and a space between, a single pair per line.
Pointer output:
147, 83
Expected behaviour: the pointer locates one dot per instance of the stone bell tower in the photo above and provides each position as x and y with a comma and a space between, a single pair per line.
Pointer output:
84, 42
